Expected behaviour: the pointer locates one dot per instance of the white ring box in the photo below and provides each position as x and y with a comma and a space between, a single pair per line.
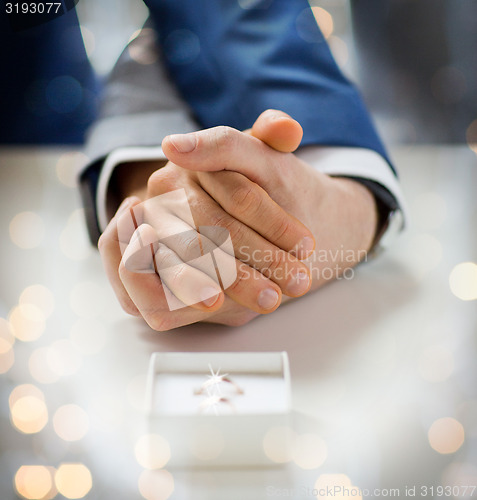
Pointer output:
208, 424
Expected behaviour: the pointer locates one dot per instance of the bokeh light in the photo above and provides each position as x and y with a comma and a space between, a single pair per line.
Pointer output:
34, 482
309, 451
446, 435
463, 281
39, 296
324, 20
28, 411
64, 94
141, 51
27, 230
182, 47
306, 24
152, 451
7, 355
71, 422
27, 321
471, 136
134, 35
73, 480
278, 444
7, 339
29, 415
24, 390
156, 484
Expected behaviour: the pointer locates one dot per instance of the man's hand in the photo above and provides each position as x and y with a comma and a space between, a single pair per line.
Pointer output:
340, 212
267, 242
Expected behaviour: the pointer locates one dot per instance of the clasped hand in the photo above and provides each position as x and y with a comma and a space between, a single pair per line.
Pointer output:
251, 185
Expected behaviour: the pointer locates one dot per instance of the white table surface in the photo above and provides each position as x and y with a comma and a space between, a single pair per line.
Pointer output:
375, 360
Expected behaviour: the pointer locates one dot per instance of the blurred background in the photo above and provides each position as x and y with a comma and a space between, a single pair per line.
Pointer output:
392, 382
414, 60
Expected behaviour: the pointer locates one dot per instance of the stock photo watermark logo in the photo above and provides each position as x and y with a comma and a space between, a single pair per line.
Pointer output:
159, 236
24, 15
326, 264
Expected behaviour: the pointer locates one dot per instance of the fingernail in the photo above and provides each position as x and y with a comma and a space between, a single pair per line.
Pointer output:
274, 114
184, 143
299, 284
209, 296
268, 299
304, 247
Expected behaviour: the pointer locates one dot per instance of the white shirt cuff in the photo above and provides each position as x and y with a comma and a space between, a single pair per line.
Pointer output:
336, 161
366, 164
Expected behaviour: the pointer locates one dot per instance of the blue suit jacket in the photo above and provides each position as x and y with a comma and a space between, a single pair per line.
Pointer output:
48, 89
232, 63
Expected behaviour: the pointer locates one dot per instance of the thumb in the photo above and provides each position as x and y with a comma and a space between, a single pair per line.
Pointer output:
278, 130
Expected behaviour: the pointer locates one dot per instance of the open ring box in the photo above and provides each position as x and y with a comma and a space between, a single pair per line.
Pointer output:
220, 409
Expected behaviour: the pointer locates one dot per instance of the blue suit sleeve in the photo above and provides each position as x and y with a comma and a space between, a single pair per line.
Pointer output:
231, 63
49, 90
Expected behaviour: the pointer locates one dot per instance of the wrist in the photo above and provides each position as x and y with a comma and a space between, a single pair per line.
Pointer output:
344, 224
359, 212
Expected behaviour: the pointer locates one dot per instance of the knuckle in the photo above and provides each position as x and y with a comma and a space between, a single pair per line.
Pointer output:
128, 307
162, 181
160, 322
233, 226
122, 270
189, 246
179, 277
275, 268
279, 228
102, 242
162, 256
245, 198
158, 317
239, 286
154, 181
236, 286
225, 137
